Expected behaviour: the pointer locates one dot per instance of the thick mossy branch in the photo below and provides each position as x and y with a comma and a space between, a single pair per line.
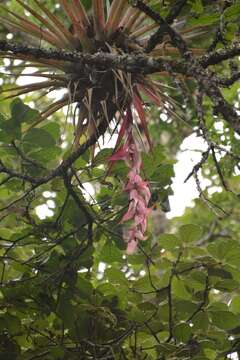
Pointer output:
215, 57
133, 63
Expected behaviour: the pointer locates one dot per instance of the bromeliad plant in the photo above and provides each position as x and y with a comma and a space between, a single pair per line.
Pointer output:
100, 96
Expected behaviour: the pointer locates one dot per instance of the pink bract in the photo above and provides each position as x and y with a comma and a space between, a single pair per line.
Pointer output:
137, 189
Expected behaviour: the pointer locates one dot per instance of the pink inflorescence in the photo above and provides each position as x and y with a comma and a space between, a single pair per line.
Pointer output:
137, 189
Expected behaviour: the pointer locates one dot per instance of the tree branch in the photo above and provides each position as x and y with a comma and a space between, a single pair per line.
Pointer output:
215, 57
64, 166
196, 68
176, 39
157, 37
133, 63
14, 174
81, 205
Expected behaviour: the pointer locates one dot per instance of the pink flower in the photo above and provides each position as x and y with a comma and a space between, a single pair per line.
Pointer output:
131, 212
137, 189
141, 216
121, 154
136, 182
134, 195
144, 190
131, 246
134, 179
138, 211
133, 236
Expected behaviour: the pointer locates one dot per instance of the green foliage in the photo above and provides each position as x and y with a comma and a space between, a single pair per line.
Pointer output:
68, 289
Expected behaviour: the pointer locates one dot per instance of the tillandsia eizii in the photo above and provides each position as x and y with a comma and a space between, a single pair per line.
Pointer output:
101, 95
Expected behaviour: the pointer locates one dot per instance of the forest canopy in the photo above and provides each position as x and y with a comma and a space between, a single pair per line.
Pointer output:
96, 99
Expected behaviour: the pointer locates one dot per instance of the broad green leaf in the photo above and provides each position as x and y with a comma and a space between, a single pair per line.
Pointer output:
218, 306
80, 329
179, 289
136, 315
116, 276
235, 304
225, 320
85, 288
57, 352
182, 332
190, 233
226, 285
169, 241
45, 155
73, 214
10, 129
210, 354
226, 251
185, 308
53, 128
102, 156
22, 113
13, 324
152, 160
110, 253
200, 321
163, 175
197, 280
37, 138
66, 310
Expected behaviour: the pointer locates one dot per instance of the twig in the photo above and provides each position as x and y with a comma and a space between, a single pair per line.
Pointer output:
219, 171
199, 165
14, 174
25, 158
227, 82
158, 36
152, 332
170, 304
82, 206
208, 202
203, 302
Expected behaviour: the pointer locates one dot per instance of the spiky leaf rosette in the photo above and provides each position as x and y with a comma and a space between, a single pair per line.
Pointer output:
100, 95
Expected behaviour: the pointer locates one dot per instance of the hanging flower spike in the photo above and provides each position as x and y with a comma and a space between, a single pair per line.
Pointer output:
133, 236
136, 180
137, 189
